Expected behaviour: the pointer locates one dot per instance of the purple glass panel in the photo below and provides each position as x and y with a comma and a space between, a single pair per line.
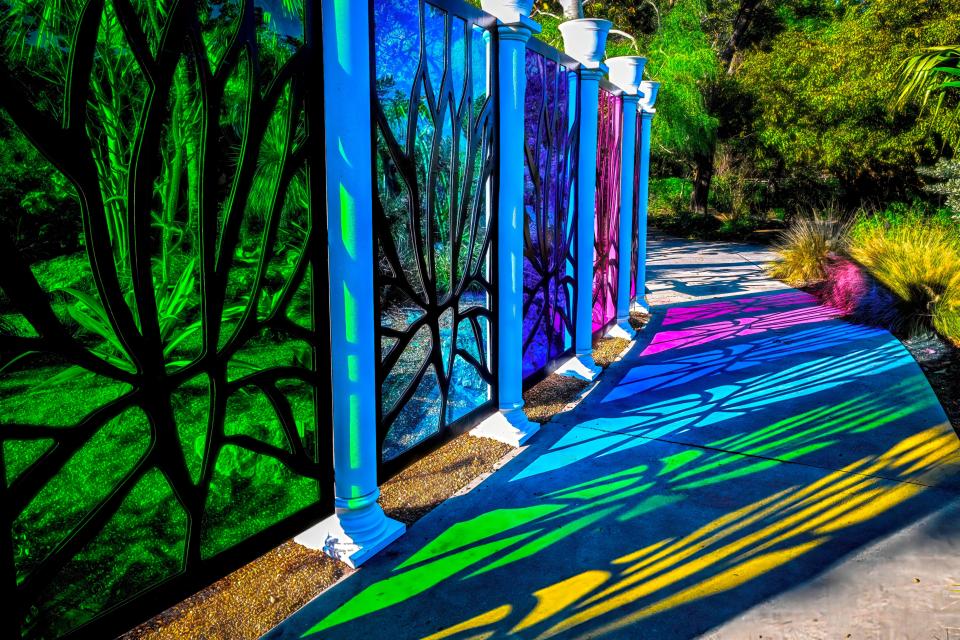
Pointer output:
606, 250
549, 168
635, 236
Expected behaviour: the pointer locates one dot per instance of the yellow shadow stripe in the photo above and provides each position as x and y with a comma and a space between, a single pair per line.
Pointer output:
712, 531
484, 619
636, 555
557, 597
729, 579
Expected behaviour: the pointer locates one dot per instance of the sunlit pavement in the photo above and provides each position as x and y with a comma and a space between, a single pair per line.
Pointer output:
754, 467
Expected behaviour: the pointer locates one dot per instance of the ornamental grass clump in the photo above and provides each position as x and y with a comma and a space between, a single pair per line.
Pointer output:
805, 245
918, 260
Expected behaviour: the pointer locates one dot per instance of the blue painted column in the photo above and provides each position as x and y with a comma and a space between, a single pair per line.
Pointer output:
585, 41
582, 365
359, 529
510, 424
626, 72
649, 91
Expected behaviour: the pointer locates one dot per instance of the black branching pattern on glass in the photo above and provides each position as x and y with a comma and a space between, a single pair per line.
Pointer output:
550, 165
433, 220
164, 364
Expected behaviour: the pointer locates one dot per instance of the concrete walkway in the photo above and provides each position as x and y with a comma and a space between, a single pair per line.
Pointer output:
754, 468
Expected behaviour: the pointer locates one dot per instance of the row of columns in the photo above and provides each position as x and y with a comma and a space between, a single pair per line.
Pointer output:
359, 528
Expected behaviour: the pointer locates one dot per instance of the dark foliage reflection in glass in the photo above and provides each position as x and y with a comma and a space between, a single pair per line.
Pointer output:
434, 162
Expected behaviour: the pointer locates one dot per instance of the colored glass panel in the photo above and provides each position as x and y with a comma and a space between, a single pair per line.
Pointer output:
163, 395
434, 139
606, 255
550, 143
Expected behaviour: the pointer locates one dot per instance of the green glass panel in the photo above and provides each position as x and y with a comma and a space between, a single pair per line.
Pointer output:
153, 16
298, 311
243, 483
250, 414
176, 230
288, 247
35, 40
273, 348
279, 35
13, 323
32, 391
302, 399
219, 20
39, 209
233, 124
257, 216
20, 454
191, 412
141, 545
88, 477
118, 93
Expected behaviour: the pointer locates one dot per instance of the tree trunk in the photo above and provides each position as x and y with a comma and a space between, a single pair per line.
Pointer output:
702, 177
572, 9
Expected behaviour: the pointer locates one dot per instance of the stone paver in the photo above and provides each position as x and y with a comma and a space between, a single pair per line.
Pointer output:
754, 468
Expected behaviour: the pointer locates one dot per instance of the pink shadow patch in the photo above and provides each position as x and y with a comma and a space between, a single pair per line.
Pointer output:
747, 326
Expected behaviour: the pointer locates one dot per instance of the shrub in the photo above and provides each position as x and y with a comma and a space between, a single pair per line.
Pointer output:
849, 288
918, 259
945, 176
804, 246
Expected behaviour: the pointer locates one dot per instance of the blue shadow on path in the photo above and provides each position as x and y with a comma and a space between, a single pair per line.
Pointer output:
745, 447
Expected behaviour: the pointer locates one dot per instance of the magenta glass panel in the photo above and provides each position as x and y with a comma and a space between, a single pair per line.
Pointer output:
606, 250
549, 168
635, 236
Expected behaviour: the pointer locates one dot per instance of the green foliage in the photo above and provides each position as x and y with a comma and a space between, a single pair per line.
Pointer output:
918, 259
823, 96
668, 196
682, 58
934, 71
804, 246
946, 181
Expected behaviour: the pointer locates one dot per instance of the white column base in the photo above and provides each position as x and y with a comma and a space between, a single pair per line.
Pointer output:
639, 307
330, 537
509, 427
581, 367
621, 330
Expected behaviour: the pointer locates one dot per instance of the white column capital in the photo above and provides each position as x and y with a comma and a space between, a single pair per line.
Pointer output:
630, 99
521, 30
